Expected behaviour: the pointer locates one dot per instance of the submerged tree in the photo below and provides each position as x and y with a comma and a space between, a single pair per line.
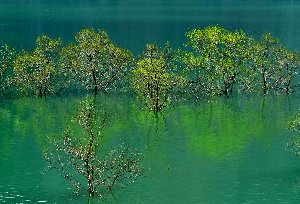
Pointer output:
78, 159
287, 75
154, 77
294, 143
94, 61
275, 66
7, 55
265, 54
37, 72
217, 59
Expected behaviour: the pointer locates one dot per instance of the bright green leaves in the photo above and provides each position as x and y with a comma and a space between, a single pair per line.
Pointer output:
217, 59
94, 61
37, 72
154, 77
221, 60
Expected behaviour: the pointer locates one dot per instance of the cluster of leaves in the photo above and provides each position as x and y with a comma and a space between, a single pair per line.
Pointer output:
215, 61
220, 61
7, 55
294, 143
94, 61
78, 159
155, 77
37, 73
275, 67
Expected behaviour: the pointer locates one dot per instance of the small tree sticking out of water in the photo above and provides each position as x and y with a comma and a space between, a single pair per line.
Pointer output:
154, 77
294, 143
78, 159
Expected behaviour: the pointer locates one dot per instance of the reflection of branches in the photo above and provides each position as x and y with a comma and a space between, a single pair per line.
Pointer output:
78, 161
119, 168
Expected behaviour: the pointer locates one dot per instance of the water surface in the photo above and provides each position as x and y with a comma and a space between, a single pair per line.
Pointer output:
218, 151
132, 23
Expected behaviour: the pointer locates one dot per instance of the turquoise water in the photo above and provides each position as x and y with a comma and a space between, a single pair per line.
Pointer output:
216, 151
132, 23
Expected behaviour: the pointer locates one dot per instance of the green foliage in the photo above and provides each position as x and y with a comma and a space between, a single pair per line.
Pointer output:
294, 143
37, 73
275, 66
217, 59
287, 75
154, 77
94, 61
7, 55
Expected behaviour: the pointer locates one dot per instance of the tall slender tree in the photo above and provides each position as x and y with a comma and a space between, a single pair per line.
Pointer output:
154, 77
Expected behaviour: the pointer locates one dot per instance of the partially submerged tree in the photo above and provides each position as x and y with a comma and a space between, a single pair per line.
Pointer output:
37, 72
216, 61
275, 66
78, 157
287, 74
7, 55
155, 79
294, 143
94, 61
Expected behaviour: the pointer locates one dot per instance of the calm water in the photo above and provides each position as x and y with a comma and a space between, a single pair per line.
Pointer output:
221, 151
132, 23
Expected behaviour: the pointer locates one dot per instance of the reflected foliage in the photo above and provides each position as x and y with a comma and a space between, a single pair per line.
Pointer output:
78, 159
221, 129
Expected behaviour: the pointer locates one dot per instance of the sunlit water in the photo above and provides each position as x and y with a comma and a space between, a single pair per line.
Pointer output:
217, 151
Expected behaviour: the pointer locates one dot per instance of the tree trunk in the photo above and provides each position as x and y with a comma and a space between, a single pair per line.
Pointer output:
41, 90
95, 82
265, 88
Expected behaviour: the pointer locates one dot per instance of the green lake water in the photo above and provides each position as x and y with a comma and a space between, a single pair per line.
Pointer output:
217, 151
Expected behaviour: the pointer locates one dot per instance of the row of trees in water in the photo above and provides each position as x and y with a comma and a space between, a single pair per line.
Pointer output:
214, 61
